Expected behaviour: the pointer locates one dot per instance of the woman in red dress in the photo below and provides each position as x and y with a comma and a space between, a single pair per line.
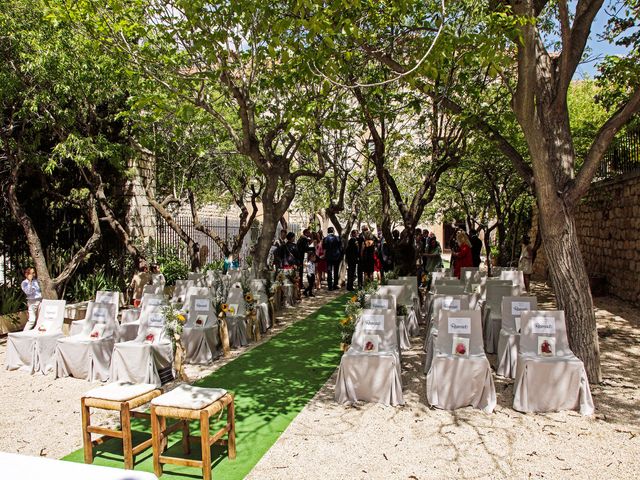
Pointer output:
321, 262
463, 256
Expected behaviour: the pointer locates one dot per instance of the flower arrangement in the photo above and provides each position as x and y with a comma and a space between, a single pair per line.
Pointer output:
424, 280
250, 302
173, 326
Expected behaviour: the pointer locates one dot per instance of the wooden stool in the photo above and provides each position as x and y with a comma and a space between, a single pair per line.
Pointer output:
187, 403
122, 397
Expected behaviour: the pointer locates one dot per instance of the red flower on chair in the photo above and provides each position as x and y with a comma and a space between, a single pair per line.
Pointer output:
461, 349
545, 347
368, 346
149, 338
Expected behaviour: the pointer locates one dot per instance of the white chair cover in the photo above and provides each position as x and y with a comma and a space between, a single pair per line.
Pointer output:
194, 291
102, 296
440, 303
236, 321
87, 355
460, 374
154, 289
512, 310
515, 276
200, 334
492, 314
370, 370
34, 350
158, 279
549, 377
130, 319
180, 290
262, 309
198, 279
139, 360
412, 302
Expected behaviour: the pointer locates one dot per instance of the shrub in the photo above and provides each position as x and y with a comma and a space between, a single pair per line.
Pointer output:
172, 267
84, 287
12, 299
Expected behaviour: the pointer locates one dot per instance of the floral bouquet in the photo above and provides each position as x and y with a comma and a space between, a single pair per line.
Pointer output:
173, 327
352, 310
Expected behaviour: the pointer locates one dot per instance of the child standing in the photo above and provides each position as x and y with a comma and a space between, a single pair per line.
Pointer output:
311, 274
31, 289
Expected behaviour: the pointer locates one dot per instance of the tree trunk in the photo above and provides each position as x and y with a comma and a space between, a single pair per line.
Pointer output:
265, 241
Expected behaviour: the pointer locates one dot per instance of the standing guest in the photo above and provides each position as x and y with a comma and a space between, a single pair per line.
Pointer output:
525, 263
333, 253
363, 231
321, 261
304, 246
433, 254
353, 256
385, 255
453, 246
476, 247
291, 256
367, 255
31, 289
157, 278
138, 282
311, 274
463, 255
280, 250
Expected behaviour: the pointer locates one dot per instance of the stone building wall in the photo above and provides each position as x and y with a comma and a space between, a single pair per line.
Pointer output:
140, 215
608, 224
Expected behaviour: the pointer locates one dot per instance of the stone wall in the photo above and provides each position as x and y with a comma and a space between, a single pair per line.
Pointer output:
140, 215
608, 223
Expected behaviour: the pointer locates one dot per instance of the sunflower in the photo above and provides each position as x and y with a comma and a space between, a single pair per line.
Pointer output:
344, 321
224, 307
354, 299
181, 318
248, 298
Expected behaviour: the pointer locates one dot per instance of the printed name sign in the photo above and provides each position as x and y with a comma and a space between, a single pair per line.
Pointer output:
544, 325
99, 314
373, 322
154, 302
451, 304
201, 305
459, 325
379, 303
156, 320
518, 307
50, 313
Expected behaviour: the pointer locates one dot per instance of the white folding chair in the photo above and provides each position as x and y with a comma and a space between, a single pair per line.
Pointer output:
549, 377
87, 355
512, 310
460, 374
200, 333
149, 356
34, 350
370, 370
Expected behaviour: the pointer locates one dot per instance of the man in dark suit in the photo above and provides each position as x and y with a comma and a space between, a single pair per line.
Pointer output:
333, 254
476, 247
353, 256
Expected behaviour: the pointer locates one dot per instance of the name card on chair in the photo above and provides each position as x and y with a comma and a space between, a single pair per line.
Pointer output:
202, 305
544, 325
518, 307
99, 314
371, 343
459, 325
50, 313
451, 304
379, 303
156, 320
373, 322
154, 302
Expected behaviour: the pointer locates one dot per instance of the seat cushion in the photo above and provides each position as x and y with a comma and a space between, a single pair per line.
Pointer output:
120, 391
190, 397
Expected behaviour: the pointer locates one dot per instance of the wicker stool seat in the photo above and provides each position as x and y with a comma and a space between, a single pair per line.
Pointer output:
187, 403
122, 397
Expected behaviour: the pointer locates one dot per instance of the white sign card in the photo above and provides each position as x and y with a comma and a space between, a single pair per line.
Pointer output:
99, 314
50, 313
156, 320
460, 346
233, 308
518, 307
373, 322
371, 343
379, 303
451, 304
544, 325
547, 346
459, 325
97, 332
201, 305
154, 302
201, 320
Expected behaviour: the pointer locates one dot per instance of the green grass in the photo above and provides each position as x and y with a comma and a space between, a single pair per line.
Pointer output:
271, 383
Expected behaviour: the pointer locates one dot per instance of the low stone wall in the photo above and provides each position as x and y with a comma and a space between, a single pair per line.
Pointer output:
608, 223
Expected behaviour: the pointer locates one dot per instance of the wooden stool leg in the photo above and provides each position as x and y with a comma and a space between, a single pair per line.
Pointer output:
156, 442
186, 449
127, 442
206, 448
86, 436
164, 438
231, 420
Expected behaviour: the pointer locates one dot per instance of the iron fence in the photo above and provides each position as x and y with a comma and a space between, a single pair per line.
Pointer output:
623, 156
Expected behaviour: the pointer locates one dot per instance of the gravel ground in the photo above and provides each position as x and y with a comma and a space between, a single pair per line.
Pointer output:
40, 415
371, 441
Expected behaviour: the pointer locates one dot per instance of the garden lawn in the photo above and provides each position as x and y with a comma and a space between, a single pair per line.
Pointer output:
272, 383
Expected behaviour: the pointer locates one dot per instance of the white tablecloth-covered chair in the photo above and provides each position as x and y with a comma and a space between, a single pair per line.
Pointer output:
155, 289
34, 350
194, 291
200, 334
469, 276
180, 290
512, 310
384, 302
102, 296
130, 318
441, 302
141, 360
87, 355
516, 277
198, 279
288, 291
411, 301
460, 374
492, 314
370, 370
549, 377
262, 310
236, 318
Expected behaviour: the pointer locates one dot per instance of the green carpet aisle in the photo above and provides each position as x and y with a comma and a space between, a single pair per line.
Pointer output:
271, 383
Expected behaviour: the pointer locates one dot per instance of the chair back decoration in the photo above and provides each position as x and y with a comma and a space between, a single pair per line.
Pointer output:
101, 320
152, 320
375, 331
384, 302
544, 334
453, 303
201, 312
235, 300
50, 316
180, 290
512, 310
460, 333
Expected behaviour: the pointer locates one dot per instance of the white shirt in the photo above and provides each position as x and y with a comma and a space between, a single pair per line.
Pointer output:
31, 289
311, 267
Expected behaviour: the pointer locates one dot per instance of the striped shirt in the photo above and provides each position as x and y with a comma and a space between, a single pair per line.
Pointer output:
31, 289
